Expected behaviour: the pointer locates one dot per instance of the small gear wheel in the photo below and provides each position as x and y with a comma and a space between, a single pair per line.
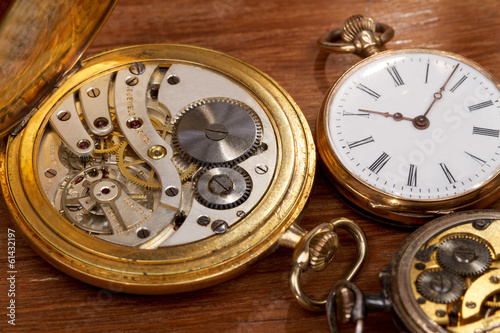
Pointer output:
464, 255
186, 169
132, 159
162, 127
223, 187
108, 144
217, 132
440, 286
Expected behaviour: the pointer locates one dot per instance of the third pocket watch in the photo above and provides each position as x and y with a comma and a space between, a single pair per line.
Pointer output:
407, 135
443, 278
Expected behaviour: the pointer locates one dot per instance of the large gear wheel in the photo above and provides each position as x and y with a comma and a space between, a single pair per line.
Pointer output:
440, 286
464, 255
223, 187
217, 132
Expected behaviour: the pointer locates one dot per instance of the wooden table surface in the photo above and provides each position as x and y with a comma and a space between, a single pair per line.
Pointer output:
278, 37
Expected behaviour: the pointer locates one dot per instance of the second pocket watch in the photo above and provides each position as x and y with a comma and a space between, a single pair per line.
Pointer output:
407, 135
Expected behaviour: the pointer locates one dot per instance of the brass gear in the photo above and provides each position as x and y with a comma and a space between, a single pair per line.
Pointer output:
493, 301
493, 304
110, 142
185, 169
122, 164
162, 130
161, 127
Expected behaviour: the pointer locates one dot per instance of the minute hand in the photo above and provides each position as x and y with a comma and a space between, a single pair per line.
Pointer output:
438, 95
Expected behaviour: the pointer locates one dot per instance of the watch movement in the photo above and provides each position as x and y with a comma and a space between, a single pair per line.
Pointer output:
443, 278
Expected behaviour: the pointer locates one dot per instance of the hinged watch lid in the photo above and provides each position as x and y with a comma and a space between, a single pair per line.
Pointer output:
41, 41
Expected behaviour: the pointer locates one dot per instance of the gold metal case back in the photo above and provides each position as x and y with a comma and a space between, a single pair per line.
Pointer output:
445, 277
39, 42
160, 169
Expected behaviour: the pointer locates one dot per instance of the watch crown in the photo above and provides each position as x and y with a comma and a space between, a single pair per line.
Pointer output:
322, 249
354, 25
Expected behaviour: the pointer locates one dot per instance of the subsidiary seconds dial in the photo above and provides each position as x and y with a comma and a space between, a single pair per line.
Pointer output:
415, 127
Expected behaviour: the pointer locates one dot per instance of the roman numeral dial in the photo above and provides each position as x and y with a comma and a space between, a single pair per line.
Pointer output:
379, 136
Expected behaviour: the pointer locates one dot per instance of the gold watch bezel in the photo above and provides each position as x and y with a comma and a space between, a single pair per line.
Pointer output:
177, 268
383, 206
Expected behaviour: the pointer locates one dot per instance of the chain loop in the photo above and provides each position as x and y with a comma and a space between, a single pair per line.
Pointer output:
345, 297
302, 257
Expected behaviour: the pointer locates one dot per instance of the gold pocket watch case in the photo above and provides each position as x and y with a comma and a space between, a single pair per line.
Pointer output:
148, 169
411, 134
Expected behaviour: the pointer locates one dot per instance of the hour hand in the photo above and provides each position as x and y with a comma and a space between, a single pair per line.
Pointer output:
398, 116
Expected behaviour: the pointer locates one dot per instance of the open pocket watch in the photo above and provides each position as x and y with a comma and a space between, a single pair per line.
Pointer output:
408, 135
445, 277
150, 169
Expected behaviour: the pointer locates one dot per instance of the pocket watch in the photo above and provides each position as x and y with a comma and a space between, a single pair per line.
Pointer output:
445, 277
407, 135
150, 169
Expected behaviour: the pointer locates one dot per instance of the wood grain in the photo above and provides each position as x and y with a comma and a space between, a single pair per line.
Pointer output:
279, 38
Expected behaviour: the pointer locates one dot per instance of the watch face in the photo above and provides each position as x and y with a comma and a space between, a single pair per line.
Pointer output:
444, 278
160, 169
415, 125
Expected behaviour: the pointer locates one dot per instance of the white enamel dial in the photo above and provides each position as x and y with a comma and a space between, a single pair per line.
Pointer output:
417, 125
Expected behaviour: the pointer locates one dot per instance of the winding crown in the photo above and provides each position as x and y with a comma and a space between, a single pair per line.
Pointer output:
322, 249
354, 25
